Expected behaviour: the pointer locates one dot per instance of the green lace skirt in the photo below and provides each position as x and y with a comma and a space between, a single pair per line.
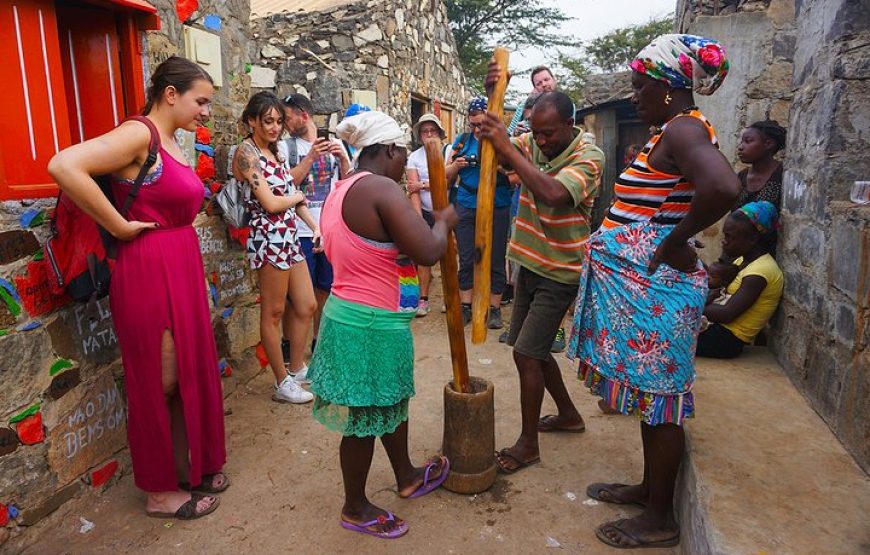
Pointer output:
362, 371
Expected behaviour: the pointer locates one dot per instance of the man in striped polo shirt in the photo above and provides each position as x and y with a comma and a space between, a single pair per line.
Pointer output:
560, 174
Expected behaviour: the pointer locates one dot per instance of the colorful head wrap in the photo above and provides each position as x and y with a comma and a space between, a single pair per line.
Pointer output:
762, 214
684, 62
477, 104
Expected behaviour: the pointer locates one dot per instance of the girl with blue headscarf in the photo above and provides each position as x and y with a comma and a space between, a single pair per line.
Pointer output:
755, 293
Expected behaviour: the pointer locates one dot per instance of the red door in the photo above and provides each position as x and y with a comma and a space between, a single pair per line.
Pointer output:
32, 105
92, 70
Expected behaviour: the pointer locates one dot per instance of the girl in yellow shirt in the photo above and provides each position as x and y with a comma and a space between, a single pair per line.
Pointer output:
754, 293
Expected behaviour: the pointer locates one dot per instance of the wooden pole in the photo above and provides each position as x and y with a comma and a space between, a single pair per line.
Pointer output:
485, 202
449, 269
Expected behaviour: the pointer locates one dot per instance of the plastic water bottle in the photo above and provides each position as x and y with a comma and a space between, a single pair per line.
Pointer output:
860, 192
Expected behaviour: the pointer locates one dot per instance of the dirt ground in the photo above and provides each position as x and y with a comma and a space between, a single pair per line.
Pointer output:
286, 484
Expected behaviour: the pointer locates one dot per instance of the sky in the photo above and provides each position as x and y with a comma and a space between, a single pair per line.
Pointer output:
592, 18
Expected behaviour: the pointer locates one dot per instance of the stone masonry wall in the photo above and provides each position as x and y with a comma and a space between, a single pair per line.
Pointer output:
393, 48
759, 38
821, 333
63, 405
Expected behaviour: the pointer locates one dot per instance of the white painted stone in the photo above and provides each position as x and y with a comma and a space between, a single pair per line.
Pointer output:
400, 19
262, 77
371, 33
272, 51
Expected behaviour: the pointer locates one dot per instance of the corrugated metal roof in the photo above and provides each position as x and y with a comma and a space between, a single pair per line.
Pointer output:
261, 8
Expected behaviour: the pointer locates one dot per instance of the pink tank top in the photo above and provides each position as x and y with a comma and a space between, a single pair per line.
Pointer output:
365, 271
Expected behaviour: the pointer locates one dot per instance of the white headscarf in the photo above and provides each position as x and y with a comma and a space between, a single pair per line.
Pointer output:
371, 128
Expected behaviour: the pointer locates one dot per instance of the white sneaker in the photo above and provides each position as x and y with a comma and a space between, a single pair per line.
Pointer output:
291, 392
301, 377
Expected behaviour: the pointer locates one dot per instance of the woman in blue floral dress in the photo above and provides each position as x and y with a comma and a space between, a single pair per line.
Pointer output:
643, 289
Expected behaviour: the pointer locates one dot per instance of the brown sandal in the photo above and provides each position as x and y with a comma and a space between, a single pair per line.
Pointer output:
552, 423
188, 510
207, 487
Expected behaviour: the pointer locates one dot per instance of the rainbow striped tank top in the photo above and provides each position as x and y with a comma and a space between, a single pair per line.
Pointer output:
643, 193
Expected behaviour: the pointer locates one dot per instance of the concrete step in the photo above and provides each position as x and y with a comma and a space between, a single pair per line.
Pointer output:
763, 473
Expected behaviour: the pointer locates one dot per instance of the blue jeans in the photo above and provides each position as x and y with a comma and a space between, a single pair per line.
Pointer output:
465, 244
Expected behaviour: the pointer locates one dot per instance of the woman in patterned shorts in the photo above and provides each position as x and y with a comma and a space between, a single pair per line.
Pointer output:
273, 247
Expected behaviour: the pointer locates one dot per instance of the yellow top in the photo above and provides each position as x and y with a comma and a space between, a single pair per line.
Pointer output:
746, 326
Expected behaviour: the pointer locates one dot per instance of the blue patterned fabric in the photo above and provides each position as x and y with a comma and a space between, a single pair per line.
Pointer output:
477, 104
634, 334
762, 214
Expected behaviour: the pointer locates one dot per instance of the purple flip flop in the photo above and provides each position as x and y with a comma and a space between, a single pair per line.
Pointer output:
396, 532
427, 486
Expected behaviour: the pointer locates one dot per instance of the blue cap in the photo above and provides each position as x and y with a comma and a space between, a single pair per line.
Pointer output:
355, 109
477, 104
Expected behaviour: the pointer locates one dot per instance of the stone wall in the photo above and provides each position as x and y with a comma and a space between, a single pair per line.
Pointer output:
60, 375
821, 331
807, 64
387, 50
759, 38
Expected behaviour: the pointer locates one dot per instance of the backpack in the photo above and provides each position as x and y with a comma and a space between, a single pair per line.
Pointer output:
292, 152
231, 197
293, 159
80, 252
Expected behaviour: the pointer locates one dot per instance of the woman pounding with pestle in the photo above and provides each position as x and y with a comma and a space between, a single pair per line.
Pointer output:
362, 371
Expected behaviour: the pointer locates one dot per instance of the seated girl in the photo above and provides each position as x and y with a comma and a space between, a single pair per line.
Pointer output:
754, 294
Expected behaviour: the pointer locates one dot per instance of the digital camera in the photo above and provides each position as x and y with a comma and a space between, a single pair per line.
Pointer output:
472, 160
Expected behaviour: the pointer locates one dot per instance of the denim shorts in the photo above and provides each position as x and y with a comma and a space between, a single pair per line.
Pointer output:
319, 267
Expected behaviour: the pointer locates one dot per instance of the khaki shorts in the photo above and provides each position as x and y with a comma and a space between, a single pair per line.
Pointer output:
539, 307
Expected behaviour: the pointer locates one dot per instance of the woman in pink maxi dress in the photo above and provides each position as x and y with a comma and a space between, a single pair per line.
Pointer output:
157, 294
158, 284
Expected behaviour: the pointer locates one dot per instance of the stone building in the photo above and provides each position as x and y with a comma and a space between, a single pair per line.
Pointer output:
396, 55
807, 65
79, 68
607, 113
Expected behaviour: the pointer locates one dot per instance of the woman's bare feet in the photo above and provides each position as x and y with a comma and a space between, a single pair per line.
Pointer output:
641, 531
619, 494
411, 483
168, 502
369, 512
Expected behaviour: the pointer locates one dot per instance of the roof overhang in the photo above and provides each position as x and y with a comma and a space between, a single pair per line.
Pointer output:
149, 20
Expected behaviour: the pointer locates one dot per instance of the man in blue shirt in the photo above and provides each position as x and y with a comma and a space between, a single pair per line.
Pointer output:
464, 167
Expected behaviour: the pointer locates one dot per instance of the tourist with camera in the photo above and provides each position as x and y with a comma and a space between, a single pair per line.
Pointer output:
316, 162
464, 168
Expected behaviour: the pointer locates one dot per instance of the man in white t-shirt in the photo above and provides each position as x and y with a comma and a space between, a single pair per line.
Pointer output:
316, 163
417, 173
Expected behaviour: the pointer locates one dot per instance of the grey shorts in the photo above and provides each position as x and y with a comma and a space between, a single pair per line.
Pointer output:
539, 307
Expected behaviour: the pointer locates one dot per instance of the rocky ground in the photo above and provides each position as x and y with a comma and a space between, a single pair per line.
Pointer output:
286, 492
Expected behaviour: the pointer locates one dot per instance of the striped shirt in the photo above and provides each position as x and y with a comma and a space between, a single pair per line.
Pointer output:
549, 240
644, 193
